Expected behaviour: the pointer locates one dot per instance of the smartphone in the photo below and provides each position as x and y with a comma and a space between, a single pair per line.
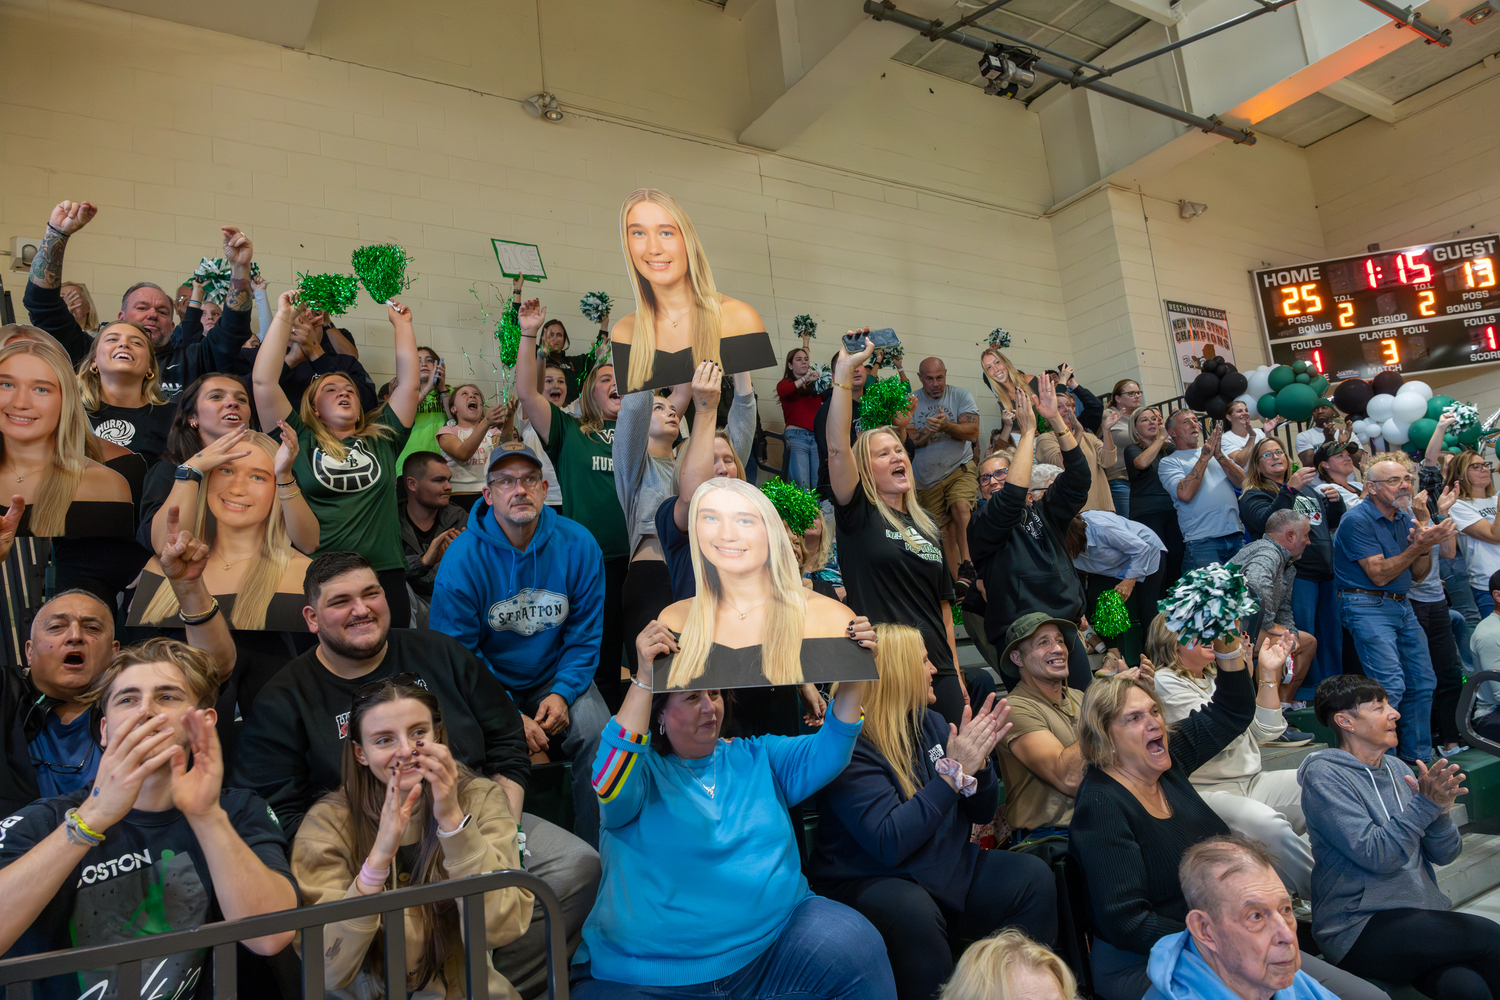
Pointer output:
878, 338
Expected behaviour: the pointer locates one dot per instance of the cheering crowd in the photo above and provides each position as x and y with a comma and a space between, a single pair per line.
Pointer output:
281, 638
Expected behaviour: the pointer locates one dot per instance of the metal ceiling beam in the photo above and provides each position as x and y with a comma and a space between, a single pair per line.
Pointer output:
885, 10
963, 22
1042, 48
1266, 7
1408, 17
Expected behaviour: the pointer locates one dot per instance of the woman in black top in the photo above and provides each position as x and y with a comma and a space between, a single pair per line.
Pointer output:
554, 339
1150, 504
1137, 812
890, 549
121, 389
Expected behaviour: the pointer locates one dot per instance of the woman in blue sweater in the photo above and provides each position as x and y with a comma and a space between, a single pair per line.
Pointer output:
893, 839
703, 893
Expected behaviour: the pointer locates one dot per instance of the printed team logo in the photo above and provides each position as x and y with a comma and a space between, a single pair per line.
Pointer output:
935, 753
1309, 508
116, 431
343, 723
607, 435
529, 612
356, 472
914, 542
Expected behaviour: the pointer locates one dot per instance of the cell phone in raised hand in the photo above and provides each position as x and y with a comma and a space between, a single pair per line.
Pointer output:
854, 343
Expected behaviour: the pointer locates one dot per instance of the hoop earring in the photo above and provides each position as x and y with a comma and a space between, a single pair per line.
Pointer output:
661, 726
93, 369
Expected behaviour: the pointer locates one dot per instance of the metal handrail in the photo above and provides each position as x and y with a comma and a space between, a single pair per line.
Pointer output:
17, 974
1466, 709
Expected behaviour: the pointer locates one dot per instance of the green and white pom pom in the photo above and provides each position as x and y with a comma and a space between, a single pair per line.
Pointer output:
804, 326
999, 338
508, 333
595, 306
825, 379
798, 508
882, 400
1110, 618
334, 294
1206, 604
382, 270
1465, 416
214, 273
891, 356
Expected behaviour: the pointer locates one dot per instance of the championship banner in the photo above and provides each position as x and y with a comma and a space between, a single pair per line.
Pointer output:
1197, 332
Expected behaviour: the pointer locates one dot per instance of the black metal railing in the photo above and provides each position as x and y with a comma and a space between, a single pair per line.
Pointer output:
1286, 433
1466, 712
18, 974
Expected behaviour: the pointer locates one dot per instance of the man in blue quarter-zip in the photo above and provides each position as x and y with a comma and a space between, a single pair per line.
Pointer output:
523, 589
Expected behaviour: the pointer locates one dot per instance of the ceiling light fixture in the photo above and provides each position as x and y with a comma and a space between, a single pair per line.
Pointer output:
1481, 12
543, 105
1007, 71
1191, 209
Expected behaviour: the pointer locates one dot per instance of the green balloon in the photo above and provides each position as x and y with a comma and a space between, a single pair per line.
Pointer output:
1470, 437
1320, 385
1298, 367
1281, 376
1296, 401
1303, 379
1437, 404
1450, 440
1266, 406
1454, 451
1421, 432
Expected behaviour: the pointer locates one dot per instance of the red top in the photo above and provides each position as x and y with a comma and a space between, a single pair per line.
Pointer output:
799, 409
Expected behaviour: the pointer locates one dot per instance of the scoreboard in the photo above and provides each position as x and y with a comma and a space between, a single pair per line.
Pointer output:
1417, 309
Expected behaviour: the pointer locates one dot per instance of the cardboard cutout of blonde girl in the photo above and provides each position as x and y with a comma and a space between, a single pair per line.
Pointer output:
752, 623
681, 320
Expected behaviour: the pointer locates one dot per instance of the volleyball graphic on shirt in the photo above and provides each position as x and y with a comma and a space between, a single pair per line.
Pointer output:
358, 470
120, 432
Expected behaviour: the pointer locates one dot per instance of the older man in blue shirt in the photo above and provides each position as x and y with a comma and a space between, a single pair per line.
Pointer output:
1377, 551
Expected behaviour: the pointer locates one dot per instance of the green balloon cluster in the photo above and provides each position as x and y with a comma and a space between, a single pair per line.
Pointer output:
1437, 404
1420, 432
1295, 390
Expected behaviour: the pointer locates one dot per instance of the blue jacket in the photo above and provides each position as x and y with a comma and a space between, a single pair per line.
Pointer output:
535, 617
1178, 972
868, 829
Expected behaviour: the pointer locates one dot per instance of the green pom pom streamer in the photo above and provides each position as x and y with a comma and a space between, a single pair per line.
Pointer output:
999, 338
804, 326
882, 401
215, 274
1206, 603
508, 333
382, 270
1110, 617
825, 379
595, 306
1465, 416
798, 508
334, 294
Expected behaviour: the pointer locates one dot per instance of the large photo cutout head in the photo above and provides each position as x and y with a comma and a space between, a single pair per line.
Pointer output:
735, 534
664, 257
42, 418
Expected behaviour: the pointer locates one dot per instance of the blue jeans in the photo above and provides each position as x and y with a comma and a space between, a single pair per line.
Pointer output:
825, 950
1485, 602
1119, 491
1316, 609
1202, 551
802, 449
1392, 649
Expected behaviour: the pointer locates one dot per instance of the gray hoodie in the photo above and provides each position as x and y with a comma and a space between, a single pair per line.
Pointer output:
1374, 843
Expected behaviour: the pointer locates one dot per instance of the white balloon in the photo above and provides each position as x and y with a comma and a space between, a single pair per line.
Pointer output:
1259, 383
1409, 406
1379, 407
1395, 433
1249, 401
1418, 387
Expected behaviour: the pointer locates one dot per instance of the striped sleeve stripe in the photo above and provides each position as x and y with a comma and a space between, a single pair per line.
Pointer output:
615, 770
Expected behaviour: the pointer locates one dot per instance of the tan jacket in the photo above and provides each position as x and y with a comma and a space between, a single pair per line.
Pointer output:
1049, 451
325, 872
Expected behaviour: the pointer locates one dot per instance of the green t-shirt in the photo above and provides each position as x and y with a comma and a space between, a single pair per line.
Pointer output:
355, 500
586, 472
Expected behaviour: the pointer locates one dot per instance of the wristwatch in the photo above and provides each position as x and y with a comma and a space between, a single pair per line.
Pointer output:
188, 472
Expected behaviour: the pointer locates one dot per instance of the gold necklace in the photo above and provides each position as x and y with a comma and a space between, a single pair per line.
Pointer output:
21, 479
734, 607
239, 560
685, 312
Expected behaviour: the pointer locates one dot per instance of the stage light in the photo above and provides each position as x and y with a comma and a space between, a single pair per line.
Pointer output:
543, 105
1481, 12
1191, 209
1007, 71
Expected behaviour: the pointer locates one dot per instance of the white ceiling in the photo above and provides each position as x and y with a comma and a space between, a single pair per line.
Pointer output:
280, 22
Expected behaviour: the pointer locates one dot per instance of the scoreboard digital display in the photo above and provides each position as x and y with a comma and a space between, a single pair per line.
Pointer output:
1417, 309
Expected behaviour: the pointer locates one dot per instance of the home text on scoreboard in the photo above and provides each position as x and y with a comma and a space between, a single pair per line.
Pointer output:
1416, 309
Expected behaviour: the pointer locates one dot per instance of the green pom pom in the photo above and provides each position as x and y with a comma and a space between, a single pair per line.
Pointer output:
798, 508
1205, 604
382, 270
334, 294
804, 326
882, 401
595, 306
508, 333
958, 615
1110, 617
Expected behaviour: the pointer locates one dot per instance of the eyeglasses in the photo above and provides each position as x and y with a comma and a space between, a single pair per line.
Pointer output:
508, 483
1132, 392
991, 477
1273, 454
397, 680
88, 757
1403, 480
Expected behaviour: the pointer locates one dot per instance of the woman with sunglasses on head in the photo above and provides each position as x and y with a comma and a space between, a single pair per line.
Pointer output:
346, 458
405, 814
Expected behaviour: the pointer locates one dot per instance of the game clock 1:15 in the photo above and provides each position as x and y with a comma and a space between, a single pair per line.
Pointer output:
1416, 309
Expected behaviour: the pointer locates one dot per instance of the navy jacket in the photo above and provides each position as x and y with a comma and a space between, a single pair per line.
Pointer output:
866, 829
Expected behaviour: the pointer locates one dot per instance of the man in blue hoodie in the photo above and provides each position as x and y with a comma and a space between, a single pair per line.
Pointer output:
1241, 941
523, 589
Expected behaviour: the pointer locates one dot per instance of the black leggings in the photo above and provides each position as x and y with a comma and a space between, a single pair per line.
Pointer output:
611, 653
1455, 956
393, 581
648, 589
1008, 890
1446, 665
950, 697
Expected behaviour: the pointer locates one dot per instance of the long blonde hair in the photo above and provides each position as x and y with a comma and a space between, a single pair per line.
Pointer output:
786, 612
863, 462
265, 572
1102, 704
894, 705
364, 427
813, 561
591, 417
983, 973
88, 372
708, 319
49, 507
1017, 377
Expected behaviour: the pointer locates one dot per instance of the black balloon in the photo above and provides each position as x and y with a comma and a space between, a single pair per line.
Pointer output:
1352, 395
1216, 407
1387, 382
1233, 384
1207, 384
1193, 397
